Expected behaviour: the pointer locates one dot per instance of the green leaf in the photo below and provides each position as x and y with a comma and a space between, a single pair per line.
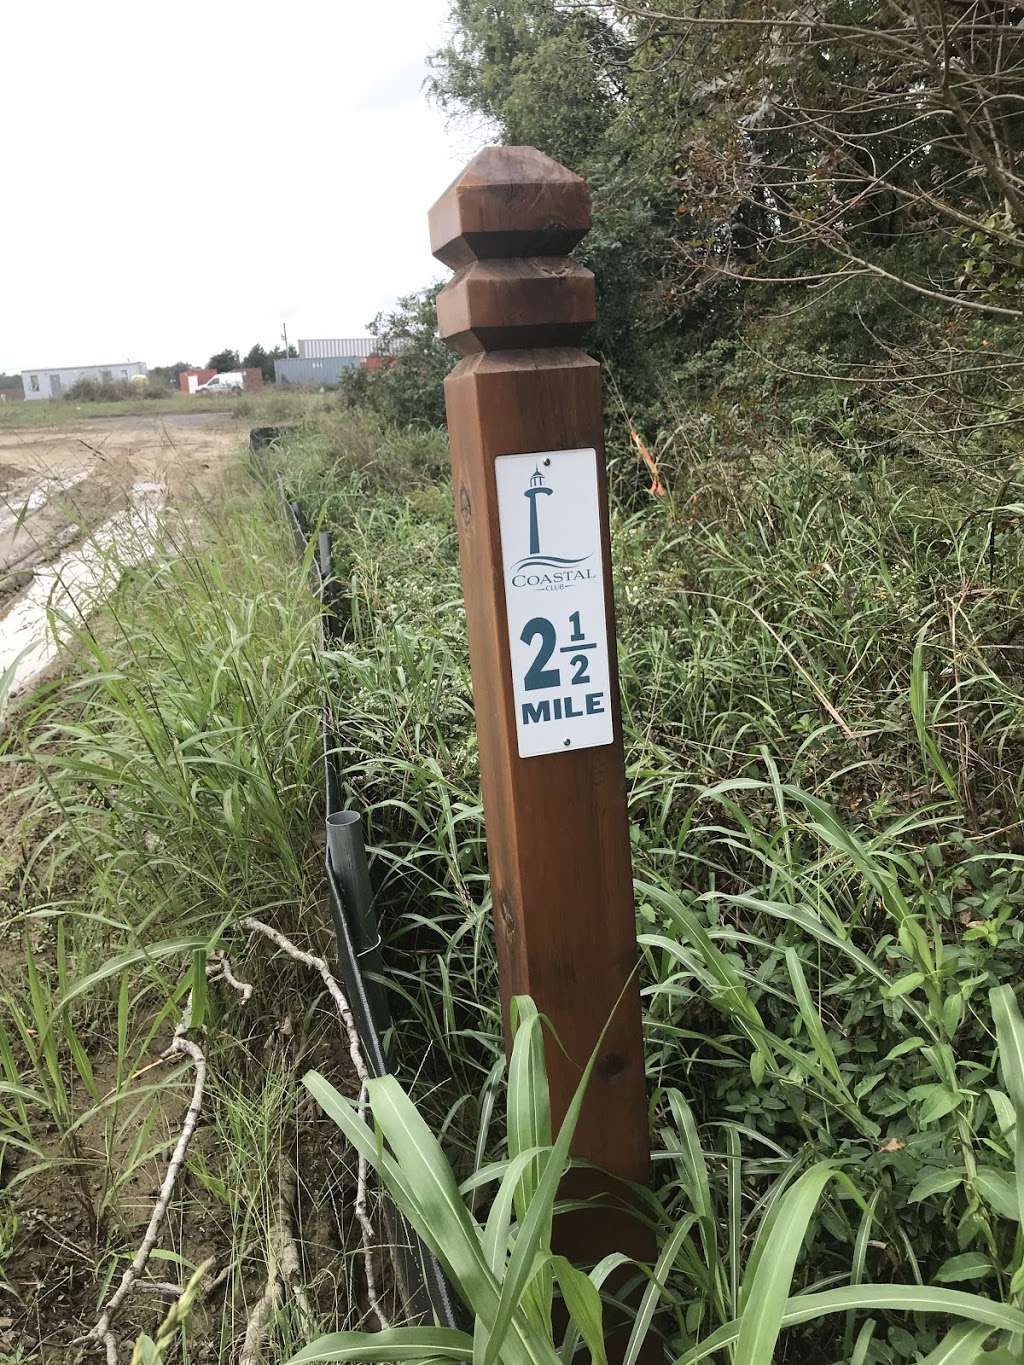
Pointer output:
584, 1304
936, 1182
919, 711
813, 925
199, 989
998, 1191
1003, 1111
499, 1217
952, 1013
528, 1108
420, 1181
160, 1254
811, 1017
901, 1049
905, 985
961, 1346
971, 1265
434, 1193
145, 1352
654, 1290
729, 992
764, 1296
7, 678
859, 1261
939, 1102
1010, 1037
863, 1342
696, 1173
899, 1298
154, 952
395, 1343
538, 1218
1010, 1040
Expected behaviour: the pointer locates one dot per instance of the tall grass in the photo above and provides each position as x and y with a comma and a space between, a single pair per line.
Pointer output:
507, 1272
823, 699
258, 406
166, 785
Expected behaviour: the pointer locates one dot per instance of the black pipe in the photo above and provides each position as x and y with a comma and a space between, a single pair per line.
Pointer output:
346, 851
421, 1282
330, 593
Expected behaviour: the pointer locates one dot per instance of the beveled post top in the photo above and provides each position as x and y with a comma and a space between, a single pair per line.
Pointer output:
508, 202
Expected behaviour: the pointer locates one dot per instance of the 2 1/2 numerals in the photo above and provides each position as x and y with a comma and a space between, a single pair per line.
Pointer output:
539, 675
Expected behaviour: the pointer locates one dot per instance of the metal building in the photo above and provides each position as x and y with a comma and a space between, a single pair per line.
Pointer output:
329, 348
53, 381
323, 360
322, 370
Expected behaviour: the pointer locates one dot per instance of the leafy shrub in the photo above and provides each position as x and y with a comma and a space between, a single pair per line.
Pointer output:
406, 390
113, 390
743, 1274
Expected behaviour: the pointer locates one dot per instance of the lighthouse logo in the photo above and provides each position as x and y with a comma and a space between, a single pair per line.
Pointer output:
537, 569
552, 559
536, 489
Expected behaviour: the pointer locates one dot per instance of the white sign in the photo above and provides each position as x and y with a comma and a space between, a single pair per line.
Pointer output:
549, 515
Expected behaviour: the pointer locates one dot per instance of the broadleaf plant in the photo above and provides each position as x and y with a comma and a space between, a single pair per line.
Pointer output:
508, 1274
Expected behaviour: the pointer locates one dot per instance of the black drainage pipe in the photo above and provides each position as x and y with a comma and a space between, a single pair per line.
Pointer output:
346, 851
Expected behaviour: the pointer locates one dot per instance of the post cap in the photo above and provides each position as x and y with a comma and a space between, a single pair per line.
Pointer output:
515, 304
509, 201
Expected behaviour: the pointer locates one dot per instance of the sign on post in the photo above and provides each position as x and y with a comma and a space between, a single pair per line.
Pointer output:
550, 521
531, 504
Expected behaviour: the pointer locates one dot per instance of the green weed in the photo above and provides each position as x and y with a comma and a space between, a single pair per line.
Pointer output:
823, 718
509, 1276
167, 785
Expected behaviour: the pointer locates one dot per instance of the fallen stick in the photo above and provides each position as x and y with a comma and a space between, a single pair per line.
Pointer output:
356, 1053
220, 970
319, 965
179, 1044
366, 1227
259, 1319
288, 1251
283, 1271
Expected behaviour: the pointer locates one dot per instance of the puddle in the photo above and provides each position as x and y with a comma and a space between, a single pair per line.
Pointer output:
62, 594
14, 507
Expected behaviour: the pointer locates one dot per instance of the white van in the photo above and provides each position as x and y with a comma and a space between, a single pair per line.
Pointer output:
232, 381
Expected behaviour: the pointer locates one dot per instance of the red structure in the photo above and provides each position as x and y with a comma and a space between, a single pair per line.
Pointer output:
253, 379
200, 377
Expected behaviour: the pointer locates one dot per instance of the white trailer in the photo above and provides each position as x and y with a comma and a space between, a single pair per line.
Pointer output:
53, 381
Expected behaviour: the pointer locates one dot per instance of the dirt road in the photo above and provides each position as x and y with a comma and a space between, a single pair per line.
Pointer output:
181, 449
56, 483
69, 495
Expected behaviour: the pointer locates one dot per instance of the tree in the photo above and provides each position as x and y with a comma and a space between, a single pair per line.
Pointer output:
407, 388
559, 77
259, 359
866, 134
858, 165
256, 358
223, 361
168, 374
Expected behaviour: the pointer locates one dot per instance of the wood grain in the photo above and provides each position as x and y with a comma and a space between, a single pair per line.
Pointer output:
557, 828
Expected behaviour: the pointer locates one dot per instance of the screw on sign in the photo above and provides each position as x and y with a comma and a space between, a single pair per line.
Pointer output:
525, 428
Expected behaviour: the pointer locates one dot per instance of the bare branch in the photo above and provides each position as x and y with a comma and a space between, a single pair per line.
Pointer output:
356, 1053
180, 1045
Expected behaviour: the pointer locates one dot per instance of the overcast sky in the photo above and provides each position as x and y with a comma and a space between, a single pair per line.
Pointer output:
178, 179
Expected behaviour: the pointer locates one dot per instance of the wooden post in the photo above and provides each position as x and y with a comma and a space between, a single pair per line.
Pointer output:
525, 426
